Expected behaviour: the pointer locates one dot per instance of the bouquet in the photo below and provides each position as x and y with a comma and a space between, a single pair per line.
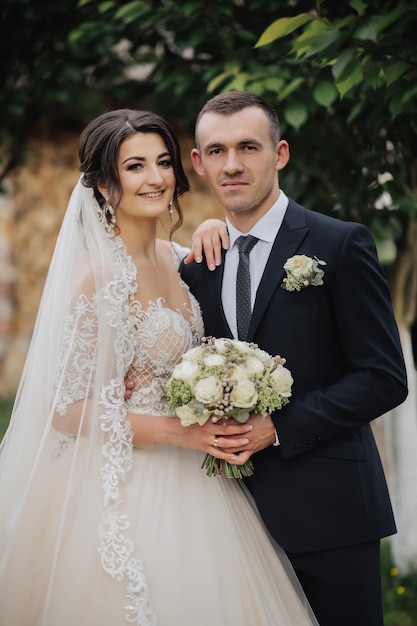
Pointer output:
223, 379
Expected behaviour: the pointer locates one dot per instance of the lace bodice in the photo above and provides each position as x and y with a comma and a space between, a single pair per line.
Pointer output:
160, 337
150, 341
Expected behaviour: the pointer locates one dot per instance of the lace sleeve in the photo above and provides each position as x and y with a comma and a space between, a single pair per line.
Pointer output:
77, 360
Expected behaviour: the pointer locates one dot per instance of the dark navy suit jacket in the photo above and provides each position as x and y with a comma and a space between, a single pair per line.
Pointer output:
324, 485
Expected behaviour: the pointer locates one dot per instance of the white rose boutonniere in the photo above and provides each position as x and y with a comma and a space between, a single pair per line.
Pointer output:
227, 379
302, 271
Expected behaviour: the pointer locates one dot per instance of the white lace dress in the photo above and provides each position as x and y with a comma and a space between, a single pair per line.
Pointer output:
174, 547
206, 558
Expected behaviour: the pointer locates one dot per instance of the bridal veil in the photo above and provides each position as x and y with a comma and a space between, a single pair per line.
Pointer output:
68, 447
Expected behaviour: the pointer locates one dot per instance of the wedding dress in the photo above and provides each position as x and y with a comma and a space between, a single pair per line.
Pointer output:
92, 531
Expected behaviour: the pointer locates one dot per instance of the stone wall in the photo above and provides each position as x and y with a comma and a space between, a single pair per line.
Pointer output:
31, 213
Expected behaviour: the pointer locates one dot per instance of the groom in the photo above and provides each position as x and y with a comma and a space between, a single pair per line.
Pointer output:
318, 480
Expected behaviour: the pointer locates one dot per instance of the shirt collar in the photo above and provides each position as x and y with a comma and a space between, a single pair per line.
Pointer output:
268, 226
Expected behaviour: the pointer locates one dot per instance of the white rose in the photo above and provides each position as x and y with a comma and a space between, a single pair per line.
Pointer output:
186, 371
244, 395
299, 265
283, 381
242, 346
263, 356
186, 415
209, 390
193, 354
213, 359
222, 345
254, 366
238, 373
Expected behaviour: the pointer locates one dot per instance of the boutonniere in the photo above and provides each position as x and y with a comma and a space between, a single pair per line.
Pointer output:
302, 271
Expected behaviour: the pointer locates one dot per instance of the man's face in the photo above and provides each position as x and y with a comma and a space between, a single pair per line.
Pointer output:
240, 163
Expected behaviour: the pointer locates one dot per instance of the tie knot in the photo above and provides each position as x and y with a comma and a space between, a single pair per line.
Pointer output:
245, 243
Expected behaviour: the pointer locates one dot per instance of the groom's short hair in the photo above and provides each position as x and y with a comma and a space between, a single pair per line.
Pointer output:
235, 101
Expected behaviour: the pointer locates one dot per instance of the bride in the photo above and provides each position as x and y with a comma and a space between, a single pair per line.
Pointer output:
106, 517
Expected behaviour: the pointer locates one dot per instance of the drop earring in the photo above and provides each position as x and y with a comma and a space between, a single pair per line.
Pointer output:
108, 215
171, 211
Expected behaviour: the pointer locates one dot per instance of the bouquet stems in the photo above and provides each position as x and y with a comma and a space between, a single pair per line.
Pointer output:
214, 467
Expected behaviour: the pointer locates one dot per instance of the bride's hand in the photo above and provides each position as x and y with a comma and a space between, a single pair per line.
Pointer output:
210, 237
261, 435
221, 440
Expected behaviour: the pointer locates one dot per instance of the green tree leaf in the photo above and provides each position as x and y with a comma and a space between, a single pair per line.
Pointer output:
282, 27
296, 114
325, 93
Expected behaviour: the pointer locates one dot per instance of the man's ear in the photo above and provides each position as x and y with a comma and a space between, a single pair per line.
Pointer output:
197, 162
282, 153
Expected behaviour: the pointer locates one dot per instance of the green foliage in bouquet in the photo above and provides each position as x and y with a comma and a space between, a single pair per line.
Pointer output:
227, 379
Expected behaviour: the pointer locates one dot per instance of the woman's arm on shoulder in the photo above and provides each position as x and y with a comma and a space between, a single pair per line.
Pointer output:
209, 238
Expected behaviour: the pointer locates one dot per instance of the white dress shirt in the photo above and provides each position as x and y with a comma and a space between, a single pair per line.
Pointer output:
266, 229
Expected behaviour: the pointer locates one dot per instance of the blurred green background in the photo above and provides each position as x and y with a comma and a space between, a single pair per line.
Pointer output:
342, 76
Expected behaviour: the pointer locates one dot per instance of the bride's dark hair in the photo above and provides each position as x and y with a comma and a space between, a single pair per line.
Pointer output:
99, 147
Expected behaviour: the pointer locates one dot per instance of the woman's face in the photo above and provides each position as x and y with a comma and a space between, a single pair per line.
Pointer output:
146, 175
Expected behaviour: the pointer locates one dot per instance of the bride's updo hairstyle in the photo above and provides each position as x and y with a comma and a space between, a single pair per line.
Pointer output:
99, 147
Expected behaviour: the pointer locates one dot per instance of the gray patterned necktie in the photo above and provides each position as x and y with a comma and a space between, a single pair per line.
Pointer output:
243, 299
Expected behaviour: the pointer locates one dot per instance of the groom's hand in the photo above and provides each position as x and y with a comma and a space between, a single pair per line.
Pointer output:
229, 443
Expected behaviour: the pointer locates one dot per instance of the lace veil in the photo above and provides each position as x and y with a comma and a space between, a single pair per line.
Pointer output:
68, 446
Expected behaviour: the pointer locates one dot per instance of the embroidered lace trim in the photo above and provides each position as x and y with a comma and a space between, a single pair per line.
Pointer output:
148, 343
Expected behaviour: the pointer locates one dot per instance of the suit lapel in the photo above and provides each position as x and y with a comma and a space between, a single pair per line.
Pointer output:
290, 236
216, 303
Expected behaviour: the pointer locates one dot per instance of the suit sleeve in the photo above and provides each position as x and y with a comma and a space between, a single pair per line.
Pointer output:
373, 379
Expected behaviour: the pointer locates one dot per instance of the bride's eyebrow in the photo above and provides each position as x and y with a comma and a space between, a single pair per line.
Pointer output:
133, 158
138, 158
